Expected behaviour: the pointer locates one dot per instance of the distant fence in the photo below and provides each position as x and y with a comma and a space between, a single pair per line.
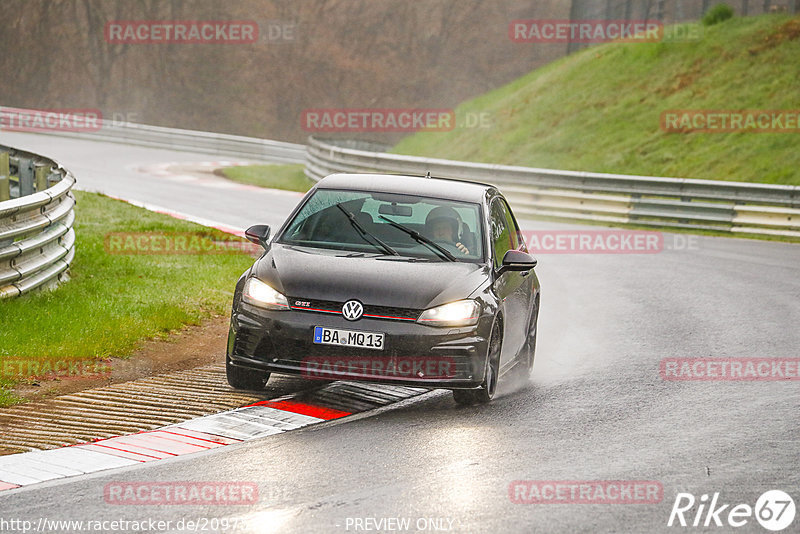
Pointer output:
130, 133
739, 207
582, 196
37, 241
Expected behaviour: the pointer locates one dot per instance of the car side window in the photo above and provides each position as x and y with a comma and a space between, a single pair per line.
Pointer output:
501, 239
517, 241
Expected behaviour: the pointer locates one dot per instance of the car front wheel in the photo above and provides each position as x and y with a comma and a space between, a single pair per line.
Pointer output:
486, 391
242, 378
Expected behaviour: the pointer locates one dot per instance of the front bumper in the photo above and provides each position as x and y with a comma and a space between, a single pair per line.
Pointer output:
413, 354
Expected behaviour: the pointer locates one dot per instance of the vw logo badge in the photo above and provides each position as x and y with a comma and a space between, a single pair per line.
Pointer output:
352, 310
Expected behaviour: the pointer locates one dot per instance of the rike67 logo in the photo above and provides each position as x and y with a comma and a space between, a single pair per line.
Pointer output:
774, 510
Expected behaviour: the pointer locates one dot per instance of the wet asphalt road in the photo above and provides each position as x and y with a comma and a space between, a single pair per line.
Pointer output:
596, 408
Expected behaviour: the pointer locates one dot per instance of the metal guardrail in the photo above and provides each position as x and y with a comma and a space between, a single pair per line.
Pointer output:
583, 196
37, 241
177, 139
537, 193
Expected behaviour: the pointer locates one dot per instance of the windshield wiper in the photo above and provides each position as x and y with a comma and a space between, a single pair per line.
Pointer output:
407, 259
421, 239
364, 233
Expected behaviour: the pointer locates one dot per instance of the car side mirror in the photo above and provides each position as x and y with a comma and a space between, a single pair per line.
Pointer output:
516, 260
258, 234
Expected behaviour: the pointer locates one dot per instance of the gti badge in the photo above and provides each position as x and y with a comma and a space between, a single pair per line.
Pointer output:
352, 310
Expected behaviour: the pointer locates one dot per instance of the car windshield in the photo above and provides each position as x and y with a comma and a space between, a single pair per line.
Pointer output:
390, 224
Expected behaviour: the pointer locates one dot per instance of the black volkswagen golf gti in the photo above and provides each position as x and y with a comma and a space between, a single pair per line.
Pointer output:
391, 279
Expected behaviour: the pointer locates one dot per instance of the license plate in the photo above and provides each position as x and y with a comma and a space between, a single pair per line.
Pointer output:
348, 338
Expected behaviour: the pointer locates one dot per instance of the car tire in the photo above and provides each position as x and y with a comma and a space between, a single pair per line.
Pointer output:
243, 378
528, 352
464, 397
487, 389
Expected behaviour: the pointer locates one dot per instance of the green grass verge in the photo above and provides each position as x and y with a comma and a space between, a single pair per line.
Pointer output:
289, 177
599, 110
114, 301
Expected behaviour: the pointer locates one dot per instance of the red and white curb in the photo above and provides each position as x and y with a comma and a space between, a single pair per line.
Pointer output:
175, 171
254, 421
163, 170
167, 171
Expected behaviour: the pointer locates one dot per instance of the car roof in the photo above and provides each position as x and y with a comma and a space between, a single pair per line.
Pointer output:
412, 185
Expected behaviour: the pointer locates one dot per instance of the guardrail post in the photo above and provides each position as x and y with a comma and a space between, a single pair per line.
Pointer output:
25, 177
5, 181
40, 177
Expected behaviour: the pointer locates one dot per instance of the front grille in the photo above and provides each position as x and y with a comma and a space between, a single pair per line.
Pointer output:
386, 312
373, 312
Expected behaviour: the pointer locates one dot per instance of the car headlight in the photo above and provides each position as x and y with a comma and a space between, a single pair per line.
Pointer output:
260, 294
459, 313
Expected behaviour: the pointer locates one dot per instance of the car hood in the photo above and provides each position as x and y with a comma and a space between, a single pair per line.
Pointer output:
316, 274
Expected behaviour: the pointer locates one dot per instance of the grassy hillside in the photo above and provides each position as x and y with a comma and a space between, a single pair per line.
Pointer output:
599, 110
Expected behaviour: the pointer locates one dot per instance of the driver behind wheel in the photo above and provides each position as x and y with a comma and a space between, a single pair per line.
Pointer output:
443, 224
